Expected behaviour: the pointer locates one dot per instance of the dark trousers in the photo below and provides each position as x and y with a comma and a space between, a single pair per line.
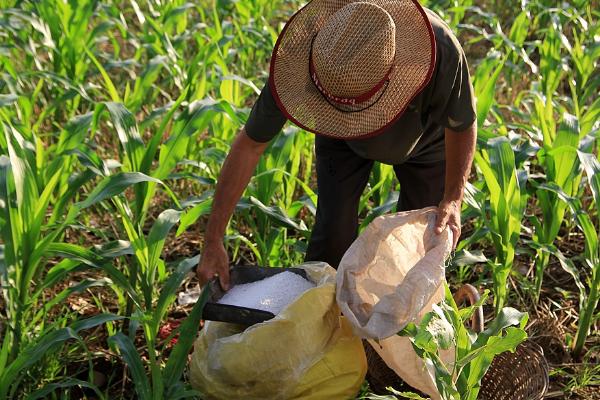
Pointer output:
341, 179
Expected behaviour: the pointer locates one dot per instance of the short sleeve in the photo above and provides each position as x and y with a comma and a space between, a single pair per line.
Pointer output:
266, 119
454, 100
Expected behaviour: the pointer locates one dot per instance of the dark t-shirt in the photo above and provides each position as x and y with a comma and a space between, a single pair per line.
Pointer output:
418, 135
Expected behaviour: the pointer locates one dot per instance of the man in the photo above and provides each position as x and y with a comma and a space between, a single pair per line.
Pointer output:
377, 80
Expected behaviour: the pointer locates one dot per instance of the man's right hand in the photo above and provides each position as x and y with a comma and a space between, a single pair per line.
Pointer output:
214, 262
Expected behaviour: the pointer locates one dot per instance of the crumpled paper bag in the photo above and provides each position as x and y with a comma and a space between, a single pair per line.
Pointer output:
392, 275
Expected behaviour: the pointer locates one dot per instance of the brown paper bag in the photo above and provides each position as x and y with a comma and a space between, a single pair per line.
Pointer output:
392, 275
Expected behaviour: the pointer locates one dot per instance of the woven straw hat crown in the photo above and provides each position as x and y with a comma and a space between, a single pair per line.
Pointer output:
354, 50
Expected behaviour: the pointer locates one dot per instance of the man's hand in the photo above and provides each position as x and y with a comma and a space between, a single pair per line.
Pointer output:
449, 215
214, 262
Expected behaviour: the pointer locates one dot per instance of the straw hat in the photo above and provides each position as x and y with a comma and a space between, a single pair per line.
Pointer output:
348, 69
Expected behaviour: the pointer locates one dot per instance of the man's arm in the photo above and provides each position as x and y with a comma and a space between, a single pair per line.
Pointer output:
460, 148
233, 179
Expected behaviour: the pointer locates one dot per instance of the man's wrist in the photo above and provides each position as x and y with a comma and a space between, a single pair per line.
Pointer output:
453, 197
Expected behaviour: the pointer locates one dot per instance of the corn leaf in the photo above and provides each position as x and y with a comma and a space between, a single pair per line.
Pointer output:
113, 185
134, 362
47, 343
187, 335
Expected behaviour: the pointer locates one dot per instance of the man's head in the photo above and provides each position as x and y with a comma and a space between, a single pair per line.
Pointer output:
348, 69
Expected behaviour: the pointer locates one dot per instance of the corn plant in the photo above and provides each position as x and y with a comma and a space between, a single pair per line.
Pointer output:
588, 297
559, 142
503, 210
444, 329
562, 168
30, 234
140, 283
164, 382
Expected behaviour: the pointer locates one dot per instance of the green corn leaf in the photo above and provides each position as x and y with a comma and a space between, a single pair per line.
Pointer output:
484, 355
143, 83
69, 194
550, 57
24, 178
53, 234
122, 282
441, 329
502, 159
591, 116
8, 99
466, 257
562, 168
169, 290
128, 133
187, 334
150, 152
114, 249
193, 121
277, 215
47, 343
63, 294
190, 216
41, 206
44, 393
58, 272
269, 173
10, 226
485, 78
71, 86
74, 252
90, 160
506, 205
520, 28
113, 185
110, 86
508, 316
591, 167
158, 233
133, 360
582, 219
568, 266
74, 133
564, 152
404, 395
244, 81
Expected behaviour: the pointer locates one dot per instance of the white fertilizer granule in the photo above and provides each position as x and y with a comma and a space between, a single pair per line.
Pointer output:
270, 294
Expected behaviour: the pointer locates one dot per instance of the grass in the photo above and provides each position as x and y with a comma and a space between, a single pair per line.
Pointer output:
115, 118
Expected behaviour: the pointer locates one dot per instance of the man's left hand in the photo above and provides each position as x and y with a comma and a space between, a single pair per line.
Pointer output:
449, 215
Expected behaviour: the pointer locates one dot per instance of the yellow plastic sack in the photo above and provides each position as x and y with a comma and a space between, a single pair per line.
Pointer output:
308, 351
392, 275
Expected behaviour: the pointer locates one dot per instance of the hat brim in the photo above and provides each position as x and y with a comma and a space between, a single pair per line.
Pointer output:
302, 103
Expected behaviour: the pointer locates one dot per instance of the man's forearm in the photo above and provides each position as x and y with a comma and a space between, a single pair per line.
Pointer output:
233, 179
460, 148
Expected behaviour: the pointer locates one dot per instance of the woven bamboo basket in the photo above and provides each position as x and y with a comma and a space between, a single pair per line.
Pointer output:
522, 375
